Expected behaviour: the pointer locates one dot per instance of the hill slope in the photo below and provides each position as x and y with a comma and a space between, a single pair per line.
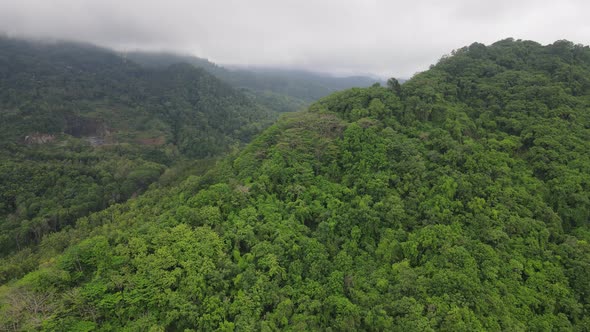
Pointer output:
81, 128
87, 91
459, 202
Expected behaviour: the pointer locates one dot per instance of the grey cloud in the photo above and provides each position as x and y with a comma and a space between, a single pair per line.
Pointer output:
387, 38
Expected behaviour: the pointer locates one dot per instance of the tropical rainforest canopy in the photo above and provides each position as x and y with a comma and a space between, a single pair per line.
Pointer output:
457, 201
82, 128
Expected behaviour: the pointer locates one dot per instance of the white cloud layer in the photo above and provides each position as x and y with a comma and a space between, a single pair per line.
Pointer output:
386, 38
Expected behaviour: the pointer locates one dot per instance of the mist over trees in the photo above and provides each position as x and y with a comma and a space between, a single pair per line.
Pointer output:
282, 90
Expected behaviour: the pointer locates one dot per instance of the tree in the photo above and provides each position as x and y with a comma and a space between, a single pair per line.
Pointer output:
393, 85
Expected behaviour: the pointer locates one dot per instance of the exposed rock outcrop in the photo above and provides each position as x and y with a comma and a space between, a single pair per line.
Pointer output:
39, 138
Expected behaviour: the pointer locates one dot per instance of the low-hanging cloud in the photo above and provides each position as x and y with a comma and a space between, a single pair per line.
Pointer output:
386, 38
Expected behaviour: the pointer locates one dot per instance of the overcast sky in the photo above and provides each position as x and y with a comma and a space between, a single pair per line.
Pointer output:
385, 38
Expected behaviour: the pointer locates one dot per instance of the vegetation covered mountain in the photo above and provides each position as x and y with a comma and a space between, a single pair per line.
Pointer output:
283, 90
458, 201
86, 91
81, 128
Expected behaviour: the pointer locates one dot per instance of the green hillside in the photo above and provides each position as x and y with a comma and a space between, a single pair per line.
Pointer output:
81, 129
459, 201
86, 91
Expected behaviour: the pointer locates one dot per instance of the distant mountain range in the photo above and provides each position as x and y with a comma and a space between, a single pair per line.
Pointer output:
299, 85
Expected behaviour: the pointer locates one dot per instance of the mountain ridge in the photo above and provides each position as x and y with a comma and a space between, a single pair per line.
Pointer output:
303, 86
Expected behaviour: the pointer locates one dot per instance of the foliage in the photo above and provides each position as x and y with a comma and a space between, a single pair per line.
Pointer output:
460, 203
94, 93
82, 128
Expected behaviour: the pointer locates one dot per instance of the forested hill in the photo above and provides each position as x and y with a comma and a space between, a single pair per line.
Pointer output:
82, 128
458, 201
87, 91
287, 88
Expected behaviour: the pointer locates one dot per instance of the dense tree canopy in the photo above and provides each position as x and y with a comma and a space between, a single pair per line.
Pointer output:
86, 91
460, 202
82, 128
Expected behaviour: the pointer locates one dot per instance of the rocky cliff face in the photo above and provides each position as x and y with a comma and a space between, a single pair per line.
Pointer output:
39, 138
95, 131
